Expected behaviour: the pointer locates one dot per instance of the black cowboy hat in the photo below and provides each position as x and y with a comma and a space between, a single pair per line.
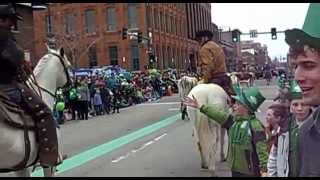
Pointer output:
7, 10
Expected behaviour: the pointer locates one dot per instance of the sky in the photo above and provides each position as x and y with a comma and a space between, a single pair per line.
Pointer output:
261, 17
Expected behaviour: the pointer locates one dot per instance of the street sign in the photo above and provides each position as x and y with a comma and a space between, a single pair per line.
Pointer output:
253, 33
133, 35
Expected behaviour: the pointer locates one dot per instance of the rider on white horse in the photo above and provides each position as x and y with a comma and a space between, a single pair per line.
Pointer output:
13, 74
212, 62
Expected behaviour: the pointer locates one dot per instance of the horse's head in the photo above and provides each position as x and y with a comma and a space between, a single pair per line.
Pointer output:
53, 71
64, 67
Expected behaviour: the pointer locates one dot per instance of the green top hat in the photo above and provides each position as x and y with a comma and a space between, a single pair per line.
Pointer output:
250, 97
295, 91
310, 33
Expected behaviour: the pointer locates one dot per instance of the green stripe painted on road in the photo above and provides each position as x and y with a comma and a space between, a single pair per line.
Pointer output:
88, 155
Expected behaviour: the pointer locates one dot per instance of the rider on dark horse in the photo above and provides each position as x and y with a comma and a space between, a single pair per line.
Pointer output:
267, 73
13, 75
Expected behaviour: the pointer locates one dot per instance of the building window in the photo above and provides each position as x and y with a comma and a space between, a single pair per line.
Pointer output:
161, 20
70, 23
149, 16
164, 57
156, 20
174, 58
167, 23
157, 54
184, 29
169, 56
132, 15
135, 57
111, 19
93, 61
90, 21
180, 28
174, 29
113, 55
49, 24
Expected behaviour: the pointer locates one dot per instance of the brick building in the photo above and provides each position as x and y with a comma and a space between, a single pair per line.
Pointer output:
232, 51
258, 51
167, 22
23, 31
91, 33
198, 18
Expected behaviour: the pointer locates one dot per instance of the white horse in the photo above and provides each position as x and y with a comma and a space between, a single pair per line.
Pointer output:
185, 84
210, 138
50, 74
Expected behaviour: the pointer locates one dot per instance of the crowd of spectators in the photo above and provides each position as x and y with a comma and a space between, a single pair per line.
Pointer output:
102, 94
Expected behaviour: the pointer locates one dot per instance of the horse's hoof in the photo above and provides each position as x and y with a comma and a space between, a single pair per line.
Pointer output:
213, 174
64, 156
204, 167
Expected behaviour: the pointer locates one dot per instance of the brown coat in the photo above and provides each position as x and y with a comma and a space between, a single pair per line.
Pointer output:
212, 60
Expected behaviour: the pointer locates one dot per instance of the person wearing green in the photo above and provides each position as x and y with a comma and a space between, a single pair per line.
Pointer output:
283, 158
247, 152
59, 106
304, 53
73, 97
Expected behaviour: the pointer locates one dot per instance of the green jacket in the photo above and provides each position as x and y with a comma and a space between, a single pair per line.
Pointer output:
247, 152
293, 148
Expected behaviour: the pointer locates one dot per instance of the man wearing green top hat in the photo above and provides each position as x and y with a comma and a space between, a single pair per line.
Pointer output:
283, 158
305, 55
247, 152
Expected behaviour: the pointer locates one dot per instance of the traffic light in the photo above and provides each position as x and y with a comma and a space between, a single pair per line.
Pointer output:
139, 37
151, 57
235, 36
124, 33
273, 33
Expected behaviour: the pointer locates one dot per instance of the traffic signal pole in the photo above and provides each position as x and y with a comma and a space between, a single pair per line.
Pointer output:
253, 34
261, 33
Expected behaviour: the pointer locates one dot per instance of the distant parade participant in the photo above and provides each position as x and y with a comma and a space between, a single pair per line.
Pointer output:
13, 88
247, 149
304, 52
59, 106
212, 62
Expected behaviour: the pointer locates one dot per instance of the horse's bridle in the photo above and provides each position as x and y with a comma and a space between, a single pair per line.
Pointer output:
67, 84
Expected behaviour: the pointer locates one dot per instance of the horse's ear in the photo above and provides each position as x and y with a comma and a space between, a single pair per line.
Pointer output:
62, 52
48, 48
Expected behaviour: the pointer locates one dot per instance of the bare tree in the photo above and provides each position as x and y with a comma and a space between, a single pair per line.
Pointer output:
75, 44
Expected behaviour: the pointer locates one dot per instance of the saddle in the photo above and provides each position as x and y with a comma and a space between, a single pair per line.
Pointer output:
223, 80
13, 115
32, 114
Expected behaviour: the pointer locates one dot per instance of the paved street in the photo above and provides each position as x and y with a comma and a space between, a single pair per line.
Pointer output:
146, 140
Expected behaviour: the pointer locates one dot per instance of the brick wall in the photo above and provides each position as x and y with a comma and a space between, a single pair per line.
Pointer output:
179, 42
